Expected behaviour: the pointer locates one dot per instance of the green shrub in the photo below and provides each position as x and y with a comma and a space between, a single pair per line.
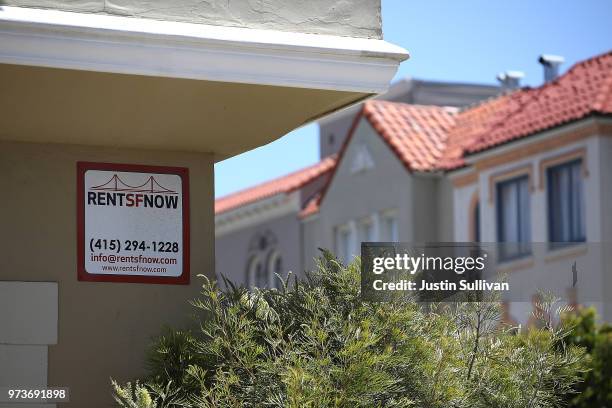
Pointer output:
317, 344
595, 390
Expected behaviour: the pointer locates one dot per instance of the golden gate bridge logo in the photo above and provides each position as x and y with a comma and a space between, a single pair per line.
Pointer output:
150, 186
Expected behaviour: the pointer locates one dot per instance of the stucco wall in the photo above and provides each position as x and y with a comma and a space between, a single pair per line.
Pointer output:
311, 233
446, 203
427, 219
550, 268
422, 203
352, 18
605, 186
386, 186
462, 198
539, 220
232, 249
103, 328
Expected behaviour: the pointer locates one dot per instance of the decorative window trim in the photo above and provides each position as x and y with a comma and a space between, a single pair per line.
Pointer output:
272, 258
545, 142
361, 224
576, 154
252, 261
550, 204
392, 214
506, 267
496, 178
362, 160
570, 252
339, 230
515, 178
465, 179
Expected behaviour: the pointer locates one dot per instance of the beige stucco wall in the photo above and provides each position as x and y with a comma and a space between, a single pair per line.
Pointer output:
549, 268
147, 112
604, 151
385, 188
445, 202
103, 328
352, 18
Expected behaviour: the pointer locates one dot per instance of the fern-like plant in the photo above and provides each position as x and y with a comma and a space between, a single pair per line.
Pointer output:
315, 343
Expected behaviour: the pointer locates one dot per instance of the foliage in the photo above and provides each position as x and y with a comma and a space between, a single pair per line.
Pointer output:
315, 343
596, 388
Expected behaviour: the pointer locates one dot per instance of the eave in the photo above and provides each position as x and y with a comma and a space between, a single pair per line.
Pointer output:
126, 45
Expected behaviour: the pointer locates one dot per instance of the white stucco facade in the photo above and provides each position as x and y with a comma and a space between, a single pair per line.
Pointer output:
547, 268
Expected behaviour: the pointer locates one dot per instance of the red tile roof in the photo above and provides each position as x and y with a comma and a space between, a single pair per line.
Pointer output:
285, 184
311, 206
416, 133
583, 90
430, 138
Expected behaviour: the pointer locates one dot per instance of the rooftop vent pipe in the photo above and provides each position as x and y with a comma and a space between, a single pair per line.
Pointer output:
551, 66
510, 80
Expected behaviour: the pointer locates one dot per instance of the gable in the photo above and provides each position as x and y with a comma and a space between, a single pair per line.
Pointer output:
377, 163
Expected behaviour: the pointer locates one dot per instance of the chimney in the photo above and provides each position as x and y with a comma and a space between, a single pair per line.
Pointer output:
510, 80
551, 66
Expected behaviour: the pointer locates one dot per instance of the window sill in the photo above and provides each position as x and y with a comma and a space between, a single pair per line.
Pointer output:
515, 263
566, 250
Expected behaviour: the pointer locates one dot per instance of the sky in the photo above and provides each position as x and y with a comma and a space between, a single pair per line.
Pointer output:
450, 40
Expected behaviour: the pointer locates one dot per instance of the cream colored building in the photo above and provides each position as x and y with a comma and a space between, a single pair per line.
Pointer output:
527, 168
164, 83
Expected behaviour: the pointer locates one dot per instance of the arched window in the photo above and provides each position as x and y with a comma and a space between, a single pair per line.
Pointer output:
256, 276
264, 261
275, 267
261, 280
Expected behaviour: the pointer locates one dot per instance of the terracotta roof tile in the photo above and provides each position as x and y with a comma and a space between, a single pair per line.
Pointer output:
585, 89
285, 184
430, 138
311, 207
416, 133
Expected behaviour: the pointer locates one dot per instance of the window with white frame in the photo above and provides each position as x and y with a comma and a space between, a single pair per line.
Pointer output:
344, 243
514, 217
264, 260
256, 274
390, 227
366, 230
275, 269
566, 219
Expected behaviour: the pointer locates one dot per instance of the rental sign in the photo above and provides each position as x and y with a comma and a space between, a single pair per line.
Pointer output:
133, 223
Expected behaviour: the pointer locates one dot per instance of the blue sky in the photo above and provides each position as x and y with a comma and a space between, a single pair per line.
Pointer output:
464, 41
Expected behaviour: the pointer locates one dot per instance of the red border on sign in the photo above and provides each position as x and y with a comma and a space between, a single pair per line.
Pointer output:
82, 274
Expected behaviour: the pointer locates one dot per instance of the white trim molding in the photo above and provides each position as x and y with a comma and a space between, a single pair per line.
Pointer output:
258, 212
127, 45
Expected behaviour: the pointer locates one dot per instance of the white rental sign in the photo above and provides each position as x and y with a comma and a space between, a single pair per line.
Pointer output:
133, 223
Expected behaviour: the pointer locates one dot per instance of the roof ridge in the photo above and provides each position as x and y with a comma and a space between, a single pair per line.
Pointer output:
433, 137
409, 105
502, 94
563, 88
